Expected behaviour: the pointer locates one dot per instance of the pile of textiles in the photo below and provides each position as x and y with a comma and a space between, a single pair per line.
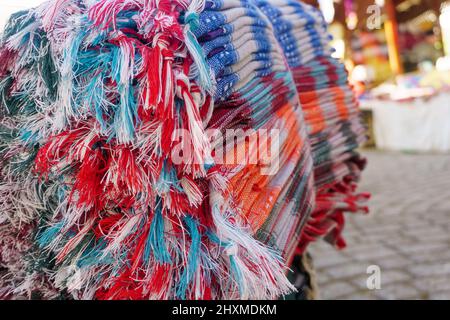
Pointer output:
171, 149
331, 114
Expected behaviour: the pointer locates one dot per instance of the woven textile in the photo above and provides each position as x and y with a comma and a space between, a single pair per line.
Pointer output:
331, 113
170, 149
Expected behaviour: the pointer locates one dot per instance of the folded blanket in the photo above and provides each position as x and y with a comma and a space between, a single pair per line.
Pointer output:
170, 149
331, 113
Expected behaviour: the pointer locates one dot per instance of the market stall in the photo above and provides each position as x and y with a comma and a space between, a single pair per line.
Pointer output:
411, 114
418, 124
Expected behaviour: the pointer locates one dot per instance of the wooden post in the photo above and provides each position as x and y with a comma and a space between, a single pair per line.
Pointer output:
392, 37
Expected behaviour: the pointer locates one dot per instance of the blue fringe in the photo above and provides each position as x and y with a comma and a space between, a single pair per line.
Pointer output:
194, 251
155, 242
46, 237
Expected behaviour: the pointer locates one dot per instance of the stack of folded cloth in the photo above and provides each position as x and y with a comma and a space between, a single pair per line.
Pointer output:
169, 149
256, 91
331, 112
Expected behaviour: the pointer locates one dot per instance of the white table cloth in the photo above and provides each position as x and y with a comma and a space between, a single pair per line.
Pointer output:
420, 125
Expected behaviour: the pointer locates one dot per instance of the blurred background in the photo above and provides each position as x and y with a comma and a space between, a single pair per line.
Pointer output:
397, 53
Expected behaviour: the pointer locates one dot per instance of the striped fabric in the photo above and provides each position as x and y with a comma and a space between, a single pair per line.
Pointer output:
331, 114
115, 131
259, 93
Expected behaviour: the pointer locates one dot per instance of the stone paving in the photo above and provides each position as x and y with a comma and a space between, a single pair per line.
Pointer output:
407, 233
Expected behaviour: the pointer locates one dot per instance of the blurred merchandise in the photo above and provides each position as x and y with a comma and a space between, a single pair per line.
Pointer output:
411, 86
411, 114
370, 49
445, 25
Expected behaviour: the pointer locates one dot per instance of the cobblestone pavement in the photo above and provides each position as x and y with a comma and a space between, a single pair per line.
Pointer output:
407, 233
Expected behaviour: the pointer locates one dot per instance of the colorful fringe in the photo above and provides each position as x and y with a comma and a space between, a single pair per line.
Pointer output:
97, 96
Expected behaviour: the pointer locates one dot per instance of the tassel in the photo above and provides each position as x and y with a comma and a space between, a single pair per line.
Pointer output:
191, 19
119, 233
52, 13
124, 176
122, 72
155, 243
65, 98
192, 191
104, 13
152, 69
201, 153
191, 268
75, 241
167, 105
258, 271
87, 190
